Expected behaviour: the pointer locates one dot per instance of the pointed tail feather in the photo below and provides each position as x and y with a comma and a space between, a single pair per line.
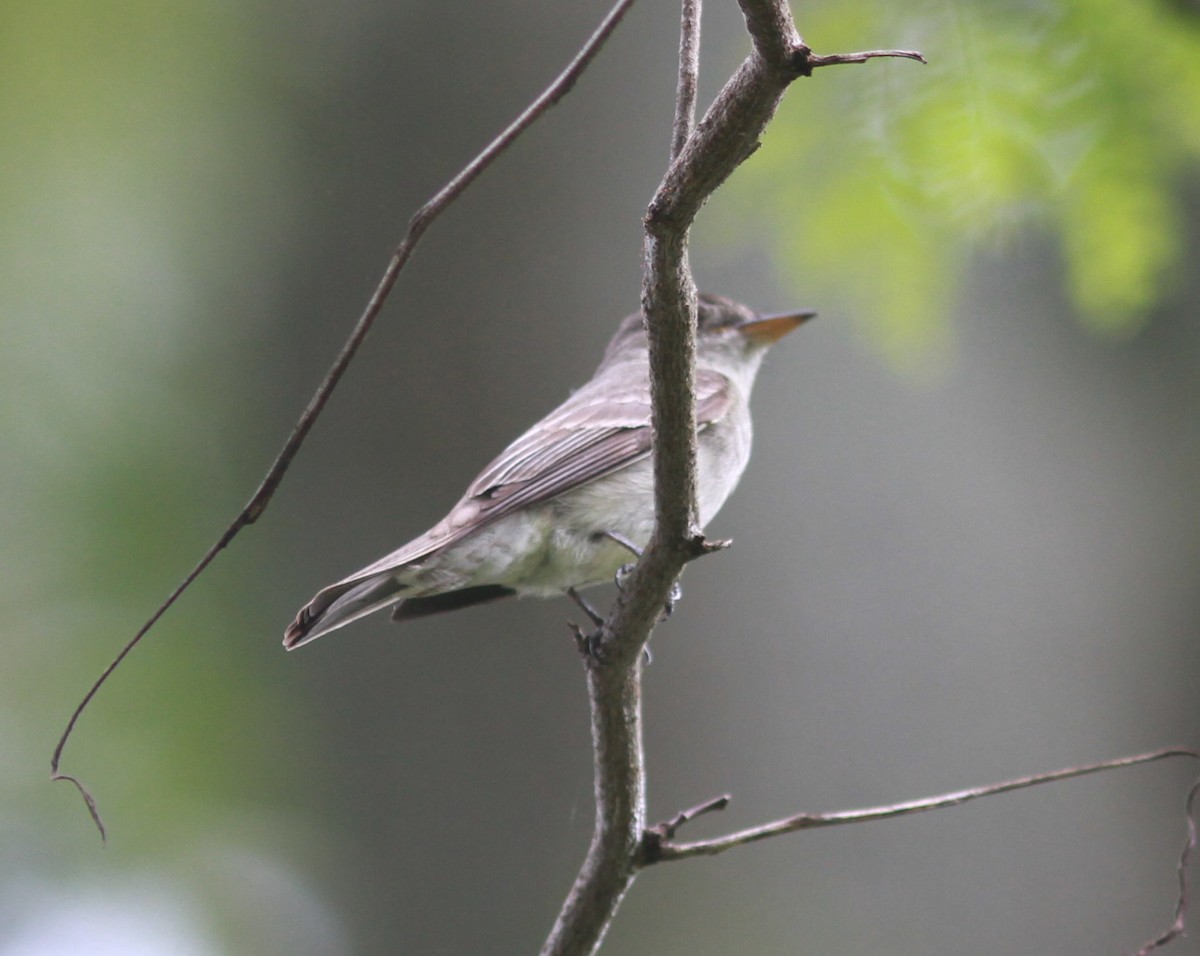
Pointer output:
340, 604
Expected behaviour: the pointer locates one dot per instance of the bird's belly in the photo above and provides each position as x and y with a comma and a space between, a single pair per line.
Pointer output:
545, 549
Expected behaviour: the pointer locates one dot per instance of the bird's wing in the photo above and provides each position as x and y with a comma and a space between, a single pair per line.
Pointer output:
592, 434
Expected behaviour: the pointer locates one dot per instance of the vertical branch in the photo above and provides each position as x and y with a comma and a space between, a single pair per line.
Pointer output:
689, 72
620, 794
701, 160
724, 138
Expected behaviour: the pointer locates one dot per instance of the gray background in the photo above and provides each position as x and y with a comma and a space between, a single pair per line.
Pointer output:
938, 581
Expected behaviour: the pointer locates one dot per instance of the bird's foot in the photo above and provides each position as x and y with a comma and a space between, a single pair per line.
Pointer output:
589, 644
625, 570
622, 575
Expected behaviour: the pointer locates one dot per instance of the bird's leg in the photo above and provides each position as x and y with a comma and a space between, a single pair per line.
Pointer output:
588, 644
596, 617
626, 569
623, 541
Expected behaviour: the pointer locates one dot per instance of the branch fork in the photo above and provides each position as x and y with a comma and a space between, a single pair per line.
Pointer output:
659, 835
703, 156
659, 846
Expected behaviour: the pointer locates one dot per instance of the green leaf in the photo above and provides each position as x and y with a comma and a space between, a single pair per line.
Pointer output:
1076, 118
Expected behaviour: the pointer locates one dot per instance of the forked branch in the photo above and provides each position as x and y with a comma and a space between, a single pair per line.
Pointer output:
702, 160
659, 846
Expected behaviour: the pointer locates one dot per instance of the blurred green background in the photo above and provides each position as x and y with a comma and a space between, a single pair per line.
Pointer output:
967, 548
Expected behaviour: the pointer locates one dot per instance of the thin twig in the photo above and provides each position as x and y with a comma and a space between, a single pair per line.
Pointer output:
665, 850
658, 848
689, 72
417, 225
807, 61
1179, 926
671, 827
653, 838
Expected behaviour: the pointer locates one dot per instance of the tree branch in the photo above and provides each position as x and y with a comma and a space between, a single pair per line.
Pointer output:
1178, 926
658, 844
805, 61
417, 225
659, 848
689, 72
701, 162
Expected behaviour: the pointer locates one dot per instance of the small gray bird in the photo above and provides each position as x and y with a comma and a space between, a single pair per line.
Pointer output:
562, 507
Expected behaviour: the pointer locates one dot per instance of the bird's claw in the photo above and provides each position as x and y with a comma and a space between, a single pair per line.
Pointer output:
622, 575
589, 645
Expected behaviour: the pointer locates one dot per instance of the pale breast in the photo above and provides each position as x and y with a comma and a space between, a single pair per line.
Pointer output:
722, 454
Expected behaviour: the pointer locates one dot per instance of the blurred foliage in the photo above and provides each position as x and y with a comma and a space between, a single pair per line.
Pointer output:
163, 164
133, 191
1075, 118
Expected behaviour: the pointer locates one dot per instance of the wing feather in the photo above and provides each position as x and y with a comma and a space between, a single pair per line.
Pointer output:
592, 434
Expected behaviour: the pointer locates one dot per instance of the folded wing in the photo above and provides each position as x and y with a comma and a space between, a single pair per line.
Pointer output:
596, 432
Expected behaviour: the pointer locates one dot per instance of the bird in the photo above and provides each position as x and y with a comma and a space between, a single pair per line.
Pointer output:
564, 505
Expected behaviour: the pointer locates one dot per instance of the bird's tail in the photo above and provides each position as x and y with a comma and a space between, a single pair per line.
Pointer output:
338, 605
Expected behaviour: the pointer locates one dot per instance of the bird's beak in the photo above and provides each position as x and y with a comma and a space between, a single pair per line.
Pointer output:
771, 328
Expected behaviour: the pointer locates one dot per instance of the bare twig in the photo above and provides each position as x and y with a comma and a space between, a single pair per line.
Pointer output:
689, 71
806, 61
1179, 926
724, 138
417, 225
671, 827
655, 836
657, 845
662, 850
